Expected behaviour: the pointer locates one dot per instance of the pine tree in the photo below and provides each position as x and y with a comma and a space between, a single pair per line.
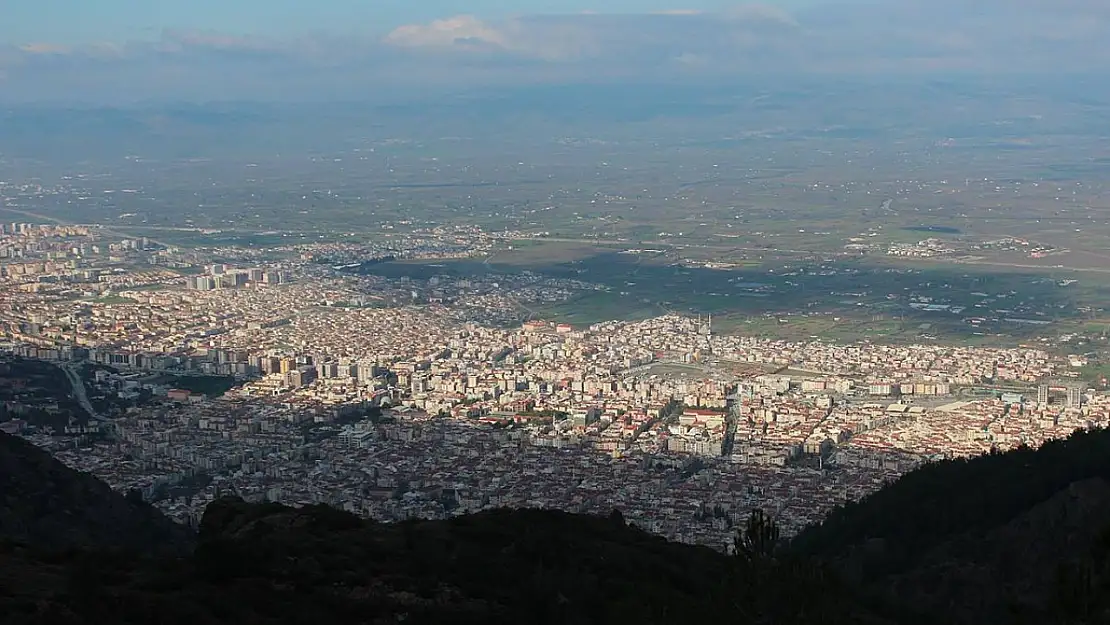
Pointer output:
759, 539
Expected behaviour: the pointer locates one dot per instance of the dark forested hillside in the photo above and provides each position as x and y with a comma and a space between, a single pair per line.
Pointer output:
47, 505
942, 499
272, 564
1009, 538
986, 538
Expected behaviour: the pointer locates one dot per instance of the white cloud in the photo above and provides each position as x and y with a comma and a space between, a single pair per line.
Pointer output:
842, 36
44, 48
524, 37
448, 33
569, 38
760, 13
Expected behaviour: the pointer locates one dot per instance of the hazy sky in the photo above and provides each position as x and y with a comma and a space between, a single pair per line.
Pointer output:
124, 50
95, 21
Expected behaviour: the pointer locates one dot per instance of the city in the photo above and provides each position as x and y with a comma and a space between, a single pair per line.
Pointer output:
555, 312
399, 398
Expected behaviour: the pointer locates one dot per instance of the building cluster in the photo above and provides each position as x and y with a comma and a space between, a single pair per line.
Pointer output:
48, 241
220, 276
437, 242
399, 398
82, 261
788, 453
927, 248
617, 415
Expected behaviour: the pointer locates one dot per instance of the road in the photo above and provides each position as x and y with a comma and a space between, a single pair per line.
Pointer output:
680, 245
1042, 268
79, 390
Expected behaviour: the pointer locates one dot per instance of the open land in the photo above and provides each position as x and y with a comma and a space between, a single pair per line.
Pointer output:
737, 299
849, 215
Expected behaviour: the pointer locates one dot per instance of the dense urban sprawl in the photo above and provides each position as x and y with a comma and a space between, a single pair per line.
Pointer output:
400, 398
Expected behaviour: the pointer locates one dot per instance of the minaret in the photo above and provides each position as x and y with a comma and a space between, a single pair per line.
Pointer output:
707, 331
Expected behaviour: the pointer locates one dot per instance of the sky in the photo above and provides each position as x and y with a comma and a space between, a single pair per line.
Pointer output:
128, 50
95, 21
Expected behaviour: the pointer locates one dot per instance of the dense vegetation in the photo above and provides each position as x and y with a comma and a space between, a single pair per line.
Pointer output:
210, 385
272, 564
942, 499
43, 503
999, 536
1014, 538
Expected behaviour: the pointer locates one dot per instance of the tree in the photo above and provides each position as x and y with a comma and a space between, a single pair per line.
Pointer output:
759, 538
1083, 587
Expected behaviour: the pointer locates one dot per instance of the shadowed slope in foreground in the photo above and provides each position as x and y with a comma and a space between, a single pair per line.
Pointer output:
266, 563
47, 505
1017, 556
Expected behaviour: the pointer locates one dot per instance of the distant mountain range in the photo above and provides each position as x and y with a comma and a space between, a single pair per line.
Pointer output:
795, 107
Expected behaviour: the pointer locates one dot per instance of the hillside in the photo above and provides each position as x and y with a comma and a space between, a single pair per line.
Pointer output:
990, 539
269, 564
1010, 538
72, 551
46, 505
1013, 571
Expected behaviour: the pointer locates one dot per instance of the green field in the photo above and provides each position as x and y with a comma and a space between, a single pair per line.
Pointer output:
210, 385
879, 299
783, 191
594, 308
